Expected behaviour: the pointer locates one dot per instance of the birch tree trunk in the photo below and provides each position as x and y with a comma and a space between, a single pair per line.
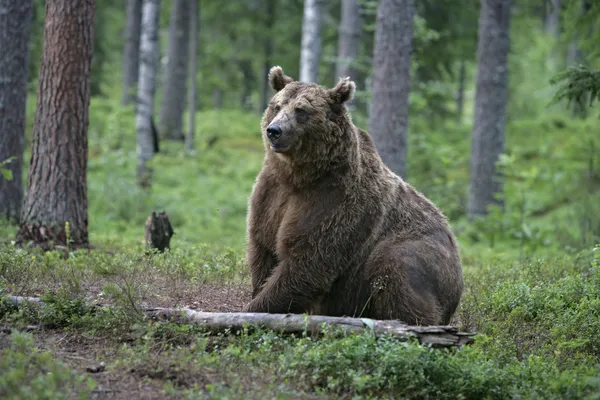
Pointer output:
15, 23
388, 119
173, 98
269, 22
194, 18
490, 105
57, 184
131, 56
310, 53
553, 17
349, 36
146, 90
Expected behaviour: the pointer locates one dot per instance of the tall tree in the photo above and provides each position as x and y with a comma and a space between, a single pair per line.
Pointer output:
131, 56
175, 82
57, 184
349, 37
15, 22
388, 119
490, 104
552, 17
145, 134
310, 53
194, 18
268, 49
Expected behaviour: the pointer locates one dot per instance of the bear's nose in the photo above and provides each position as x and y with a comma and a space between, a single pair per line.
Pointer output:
273, 132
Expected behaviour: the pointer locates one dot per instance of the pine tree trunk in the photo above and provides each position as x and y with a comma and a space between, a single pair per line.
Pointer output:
310, 53
57, 187
131, 56
269, 22
146, 90
194, 18
490, 104
173, 99
388, 120
15, 23
349, 36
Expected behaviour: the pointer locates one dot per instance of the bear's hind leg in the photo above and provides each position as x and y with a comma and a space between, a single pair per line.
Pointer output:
402, 284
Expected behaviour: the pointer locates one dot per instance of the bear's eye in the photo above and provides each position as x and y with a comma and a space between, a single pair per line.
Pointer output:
300, 112
276, 108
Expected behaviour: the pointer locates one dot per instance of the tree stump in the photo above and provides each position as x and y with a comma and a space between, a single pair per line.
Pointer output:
158, 231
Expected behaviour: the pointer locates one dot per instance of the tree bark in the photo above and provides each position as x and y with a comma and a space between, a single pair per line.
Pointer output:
173, 99
441, 336
310, 53
388, 119
194, 18
131, 56
56, 186
146, 91
349, 37
15, 24
490, 105
268, 48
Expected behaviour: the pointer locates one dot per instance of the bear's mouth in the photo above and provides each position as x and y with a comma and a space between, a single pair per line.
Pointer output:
279, 148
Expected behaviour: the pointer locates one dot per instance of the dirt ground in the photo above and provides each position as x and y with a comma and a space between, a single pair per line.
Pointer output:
86, 354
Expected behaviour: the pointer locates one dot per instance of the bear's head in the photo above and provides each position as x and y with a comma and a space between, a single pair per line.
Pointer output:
304, 121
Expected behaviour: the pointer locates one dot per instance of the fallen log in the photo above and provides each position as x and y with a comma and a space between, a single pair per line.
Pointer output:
435, 336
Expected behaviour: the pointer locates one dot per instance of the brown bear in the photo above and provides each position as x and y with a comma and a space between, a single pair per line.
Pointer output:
331, 230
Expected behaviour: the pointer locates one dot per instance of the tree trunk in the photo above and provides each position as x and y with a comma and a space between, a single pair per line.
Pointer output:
310, 53
56, 186
146, 91
349, 36
552, 18
131, 56
217, 98
388, 119
173, 99
247, 83
269, 22
194, 18
460, 93
490, 104
15, 23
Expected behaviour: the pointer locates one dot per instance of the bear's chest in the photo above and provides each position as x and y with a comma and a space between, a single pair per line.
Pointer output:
269, 207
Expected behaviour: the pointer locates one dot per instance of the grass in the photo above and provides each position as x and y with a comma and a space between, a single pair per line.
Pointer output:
532, 279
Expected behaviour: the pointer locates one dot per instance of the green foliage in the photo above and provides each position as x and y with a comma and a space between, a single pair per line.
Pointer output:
5, 172
577, 84
538, 307
29, 373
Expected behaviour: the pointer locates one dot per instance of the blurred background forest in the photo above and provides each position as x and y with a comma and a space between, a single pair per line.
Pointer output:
549, 161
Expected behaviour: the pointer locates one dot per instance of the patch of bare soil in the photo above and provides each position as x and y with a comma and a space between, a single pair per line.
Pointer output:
96, 356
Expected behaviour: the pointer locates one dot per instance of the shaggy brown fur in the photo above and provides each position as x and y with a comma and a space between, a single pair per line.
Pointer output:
331, 230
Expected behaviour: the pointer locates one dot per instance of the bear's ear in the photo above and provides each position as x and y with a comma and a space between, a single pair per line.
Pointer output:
343, 91
277, 79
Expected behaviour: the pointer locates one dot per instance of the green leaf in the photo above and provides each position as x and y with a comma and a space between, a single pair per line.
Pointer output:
6, 173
